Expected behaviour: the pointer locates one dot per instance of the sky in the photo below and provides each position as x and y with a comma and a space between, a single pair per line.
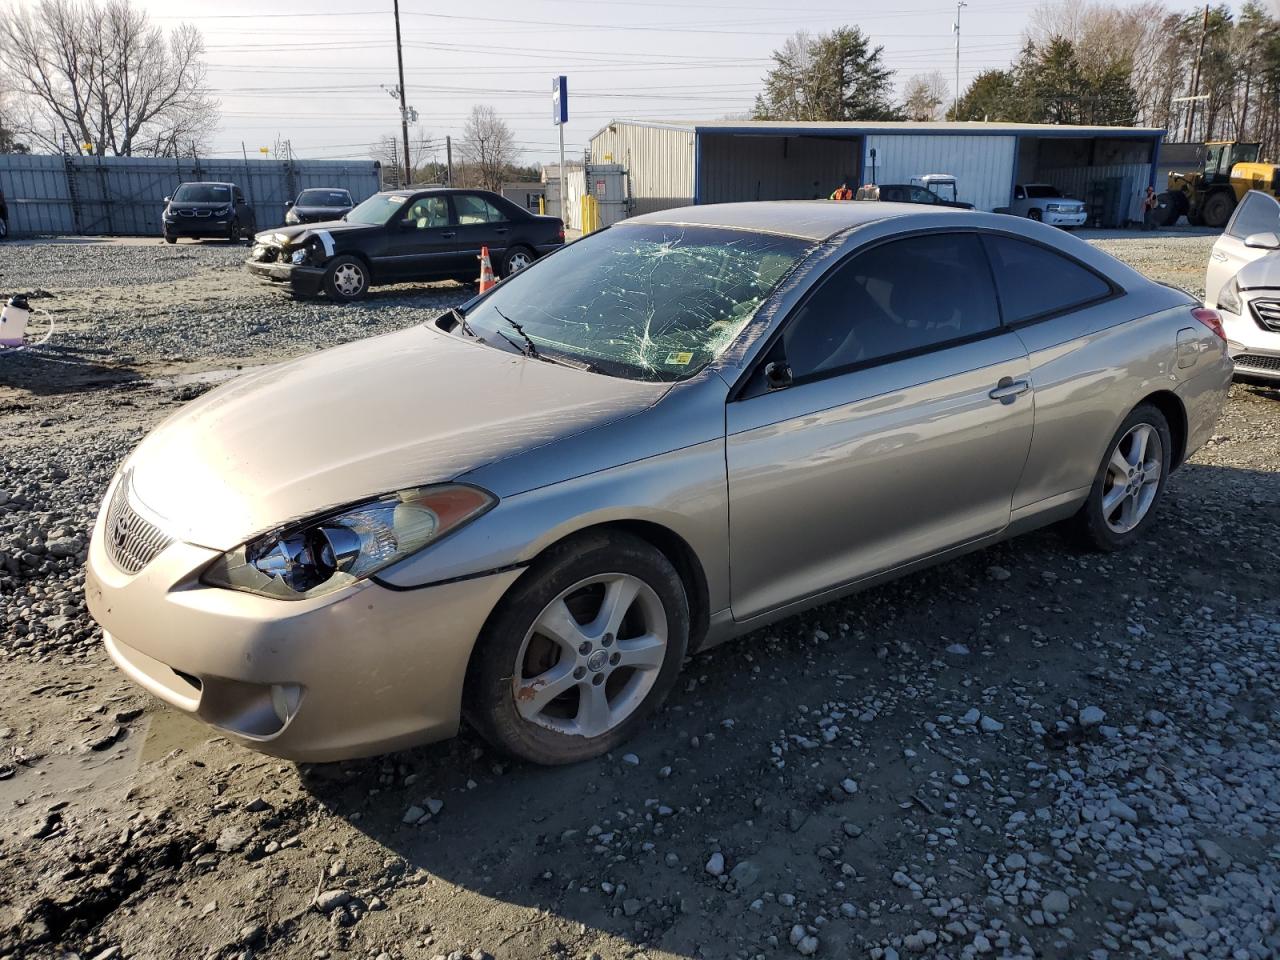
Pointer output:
315, 72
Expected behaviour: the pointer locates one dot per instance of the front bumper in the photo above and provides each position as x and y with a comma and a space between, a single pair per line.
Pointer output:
203, 227
1058, 219
1254, 349
360, 672
304, 279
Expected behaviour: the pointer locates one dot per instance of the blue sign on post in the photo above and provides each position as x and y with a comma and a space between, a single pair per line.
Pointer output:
559, 100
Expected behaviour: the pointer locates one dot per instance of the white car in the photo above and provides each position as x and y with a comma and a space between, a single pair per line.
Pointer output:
1044, 202
1243, 285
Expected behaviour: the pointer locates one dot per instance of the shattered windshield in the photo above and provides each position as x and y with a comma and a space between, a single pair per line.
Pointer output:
378, 209
648, 302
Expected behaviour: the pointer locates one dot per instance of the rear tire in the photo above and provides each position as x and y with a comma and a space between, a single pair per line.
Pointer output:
347, 279
1130, 482
581, 650
515, 260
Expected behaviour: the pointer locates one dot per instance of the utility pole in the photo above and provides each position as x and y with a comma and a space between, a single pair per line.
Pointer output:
955, 108
1195, 77
404, 109
448, 161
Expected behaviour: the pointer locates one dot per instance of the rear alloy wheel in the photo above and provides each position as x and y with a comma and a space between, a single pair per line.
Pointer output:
517, 259
347, 279
1130, 481
584, 647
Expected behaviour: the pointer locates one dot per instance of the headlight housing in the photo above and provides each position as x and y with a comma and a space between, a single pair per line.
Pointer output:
319, 556
1229, 298
299, 255
1055, 207
291, 216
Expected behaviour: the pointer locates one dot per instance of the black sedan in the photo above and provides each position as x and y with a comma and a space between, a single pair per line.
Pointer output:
207, 210
398, 236
908, 193
319, 204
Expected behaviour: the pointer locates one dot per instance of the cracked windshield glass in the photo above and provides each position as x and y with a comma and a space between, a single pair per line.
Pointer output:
643, 302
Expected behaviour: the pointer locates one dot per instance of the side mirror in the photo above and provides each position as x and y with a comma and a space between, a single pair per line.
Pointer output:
167, 199
777, 375
288, 204
408, 223
1263, 241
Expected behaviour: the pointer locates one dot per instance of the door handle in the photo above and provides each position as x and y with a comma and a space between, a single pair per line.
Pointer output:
448, 236
1220, 257
1009, 389
502, 230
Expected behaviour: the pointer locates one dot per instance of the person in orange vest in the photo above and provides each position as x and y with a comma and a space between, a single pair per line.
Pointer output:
842, 192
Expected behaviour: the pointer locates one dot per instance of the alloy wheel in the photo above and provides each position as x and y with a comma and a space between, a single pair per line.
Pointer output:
348, 279
591, 656
1133, 478
517, 262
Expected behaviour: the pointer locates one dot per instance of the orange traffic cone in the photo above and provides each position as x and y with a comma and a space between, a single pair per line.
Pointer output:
486, 270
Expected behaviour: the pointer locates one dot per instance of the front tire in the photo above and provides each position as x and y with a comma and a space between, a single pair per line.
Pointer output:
347, 279
1130, 481
585, 646
1035, 215
170, 238
233, 231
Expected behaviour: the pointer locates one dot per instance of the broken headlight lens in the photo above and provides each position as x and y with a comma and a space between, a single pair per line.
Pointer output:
319, 556
299, 255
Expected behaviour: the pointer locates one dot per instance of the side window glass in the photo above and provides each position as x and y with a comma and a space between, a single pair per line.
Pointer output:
472, 209
429, 212
897, 298
1257, 213
1034, 281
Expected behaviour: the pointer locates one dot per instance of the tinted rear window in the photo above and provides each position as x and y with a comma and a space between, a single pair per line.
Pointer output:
1034, 281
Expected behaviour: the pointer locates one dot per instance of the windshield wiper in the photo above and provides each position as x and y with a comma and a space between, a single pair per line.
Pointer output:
532, 351
462, 323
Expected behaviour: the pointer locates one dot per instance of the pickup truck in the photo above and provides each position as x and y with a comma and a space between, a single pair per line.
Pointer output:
1044, 202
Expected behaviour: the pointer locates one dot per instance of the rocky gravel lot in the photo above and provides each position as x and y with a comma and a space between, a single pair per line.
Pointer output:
1031, 751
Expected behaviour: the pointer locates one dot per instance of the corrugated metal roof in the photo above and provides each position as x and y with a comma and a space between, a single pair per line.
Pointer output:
854, 128
808, 219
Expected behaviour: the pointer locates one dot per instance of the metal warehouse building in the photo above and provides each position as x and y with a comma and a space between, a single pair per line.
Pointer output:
683, 162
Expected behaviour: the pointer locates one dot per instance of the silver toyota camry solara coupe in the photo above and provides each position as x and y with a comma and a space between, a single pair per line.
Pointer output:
529, 511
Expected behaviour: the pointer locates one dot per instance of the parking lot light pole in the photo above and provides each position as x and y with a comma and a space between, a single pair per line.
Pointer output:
955, 103
404, 110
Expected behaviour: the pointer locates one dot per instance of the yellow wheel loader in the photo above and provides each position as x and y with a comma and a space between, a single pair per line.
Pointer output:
1208, 196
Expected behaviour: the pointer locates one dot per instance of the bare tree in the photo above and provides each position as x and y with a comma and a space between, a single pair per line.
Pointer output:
99, 76
423, 151
924, 95
487, 148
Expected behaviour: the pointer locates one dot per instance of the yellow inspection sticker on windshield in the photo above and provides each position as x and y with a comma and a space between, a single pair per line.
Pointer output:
679, 358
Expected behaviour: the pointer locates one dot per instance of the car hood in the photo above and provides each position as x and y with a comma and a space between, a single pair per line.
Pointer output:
193, 205
405, 409
1263, 272
296, 233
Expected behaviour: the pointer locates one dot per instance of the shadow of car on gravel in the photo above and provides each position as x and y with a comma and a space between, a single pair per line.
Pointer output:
621, 844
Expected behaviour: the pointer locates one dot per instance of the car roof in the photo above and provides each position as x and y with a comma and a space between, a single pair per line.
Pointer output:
206, 183
807, 219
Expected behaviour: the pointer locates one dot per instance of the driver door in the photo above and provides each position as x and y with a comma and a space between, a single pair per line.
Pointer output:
422, 244
902, 431
1257, 213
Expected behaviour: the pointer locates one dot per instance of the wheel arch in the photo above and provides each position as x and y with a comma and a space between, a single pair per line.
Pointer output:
1170, 404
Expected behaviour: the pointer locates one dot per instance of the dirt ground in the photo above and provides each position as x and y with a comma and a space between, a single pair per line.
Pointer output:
1031, 751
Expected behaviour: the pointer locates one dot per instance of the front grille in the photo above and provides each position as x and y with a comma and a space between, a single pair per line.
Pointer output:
1267, 314
1257, 361
132, 541
195, 212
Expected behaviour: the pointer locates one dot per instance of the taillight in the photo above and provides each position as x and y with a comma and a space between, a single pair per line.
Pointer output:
562, 233
1211, 320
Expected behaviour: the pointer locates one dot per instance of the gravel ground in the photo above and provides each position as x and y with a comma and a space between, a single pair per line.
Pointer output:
1027, 752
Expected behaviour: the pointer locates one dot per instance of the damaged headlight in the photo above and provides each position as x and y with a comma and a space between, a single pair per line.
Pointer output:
298, 256
319, 556
291, 216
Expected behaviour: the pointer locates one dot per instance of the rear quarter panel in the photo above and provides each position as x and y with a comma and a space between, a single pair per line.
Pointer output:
1091, 368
